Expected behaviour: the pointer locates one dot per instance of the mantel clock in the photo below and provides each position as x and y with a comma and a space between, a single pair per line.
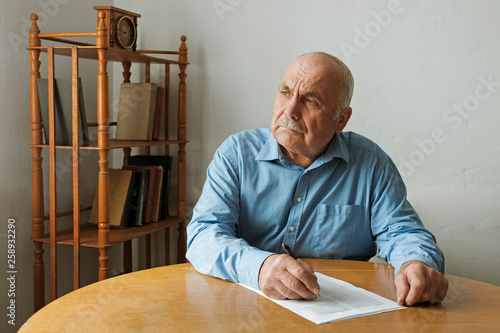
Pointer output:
122, 27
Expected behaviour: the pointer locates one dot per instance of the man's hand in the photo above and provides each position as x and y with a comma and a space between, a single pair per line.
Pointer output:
417, 282
283, 277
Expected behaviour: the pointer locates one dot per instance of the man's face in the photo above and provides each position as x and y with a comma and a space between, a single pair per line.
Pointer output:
304, 108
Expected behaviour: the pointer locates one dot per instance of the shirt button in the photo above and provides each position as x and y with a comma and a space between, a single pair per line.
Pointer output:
292, 228
299, 199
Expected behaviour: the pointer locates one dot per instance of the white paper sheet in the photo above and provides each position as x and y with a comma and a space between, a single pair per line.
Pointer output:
339, 300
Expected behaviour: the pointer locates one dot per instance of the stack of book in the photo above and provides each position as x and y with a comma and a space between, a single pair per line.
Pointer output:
139, 111
138, 193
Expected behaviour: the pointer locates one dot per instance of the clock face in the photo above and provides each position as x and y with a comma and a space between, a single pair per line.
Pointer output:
125, 32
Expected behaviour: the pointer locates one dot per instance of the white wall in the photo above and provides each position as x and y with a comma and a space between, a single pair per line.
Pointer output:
421, 69
419, 74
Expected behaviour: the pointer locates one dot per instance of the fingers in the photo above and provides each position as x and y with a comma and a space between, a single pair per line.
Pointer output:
309, 268
417, 289
283, 277
417, 283
402, 289
305, 276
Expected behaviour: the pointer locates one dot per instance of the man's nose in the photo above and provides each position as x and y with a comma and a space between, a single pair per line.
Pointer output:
292, 108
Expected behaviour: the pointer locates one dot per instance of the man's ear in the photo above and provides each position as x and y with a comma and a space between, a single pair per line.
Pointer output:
344, 117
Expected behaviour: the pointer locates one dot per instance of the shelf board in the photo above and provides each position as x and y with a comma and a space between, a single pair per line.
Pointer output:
115, 55
117, 144
88, 233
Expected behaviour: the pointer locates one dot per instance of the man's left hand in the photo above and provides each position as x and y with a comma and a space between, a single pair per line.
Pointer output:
416, 282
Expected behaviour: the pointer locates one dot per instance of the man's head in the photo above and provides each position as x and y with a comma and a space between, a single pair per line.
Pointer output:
312, 104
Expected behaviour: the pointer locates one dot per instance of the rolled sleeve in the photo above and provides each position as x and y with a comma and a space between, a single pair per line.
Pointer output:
249, 267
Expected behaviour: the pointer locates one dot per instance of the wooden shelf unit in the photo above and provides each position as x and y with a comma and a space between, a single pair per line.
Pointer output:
88, 233
82, 233
116, 144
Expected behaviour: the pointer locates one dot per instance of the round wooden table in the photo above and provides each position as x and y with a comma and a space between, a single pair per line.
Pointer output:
177, 298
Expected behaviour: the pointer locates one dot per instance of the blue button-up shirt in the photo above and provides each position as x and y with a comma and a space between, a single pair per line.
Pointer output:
349, 201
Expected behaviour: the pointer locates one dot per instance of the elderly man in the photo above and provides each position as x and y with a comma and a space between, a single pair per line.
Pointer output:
305, 183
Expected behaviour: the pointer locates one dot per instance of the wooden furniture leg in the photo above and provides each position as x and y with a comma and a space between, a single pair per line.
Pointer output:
181, 136
103, 143
37, 202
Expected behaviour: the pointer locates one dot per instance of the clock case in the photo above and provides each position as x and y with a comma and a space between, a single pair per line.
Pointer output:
113, 15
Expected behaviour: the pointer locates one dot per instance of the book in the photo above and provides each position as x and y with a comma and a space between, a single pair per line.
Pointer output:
62, 111
165, 162
158, 112
136, 110
151, 181
138, 200
155, 207
121, 183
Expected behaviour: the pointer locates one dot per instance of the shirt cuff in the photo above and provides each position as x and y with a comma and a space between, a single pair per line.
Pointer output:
415, 257
249, 267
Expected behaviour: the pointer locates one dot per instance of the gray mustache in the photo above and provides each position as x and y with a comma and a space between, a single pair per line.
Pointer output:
290, 124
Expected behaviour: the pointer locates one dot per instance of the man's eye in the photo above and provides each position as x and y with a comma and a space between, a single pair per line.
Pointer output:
284, 92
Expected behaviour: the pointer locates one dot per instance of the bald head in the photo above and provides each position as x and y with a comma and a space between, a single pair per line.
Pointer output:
341, 73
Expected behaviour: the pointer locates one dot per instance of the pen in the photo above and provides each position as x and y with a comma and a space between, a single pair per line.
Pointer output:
290, 252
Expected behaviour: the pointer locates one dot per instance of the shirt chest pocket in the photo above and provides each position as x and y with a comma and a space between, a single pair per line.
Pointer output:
339, 230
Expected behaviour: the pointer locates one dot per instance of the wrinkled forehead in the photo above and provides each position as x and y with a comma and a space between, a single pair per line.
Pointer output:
313, 72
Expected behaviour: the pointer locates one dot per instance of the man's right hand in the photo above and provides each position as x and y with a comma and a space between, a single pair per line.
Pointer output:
283, 277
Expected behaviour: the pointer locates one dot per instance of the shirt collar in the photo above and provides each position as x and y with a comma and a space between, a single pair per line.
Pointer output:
337, 148
270, 151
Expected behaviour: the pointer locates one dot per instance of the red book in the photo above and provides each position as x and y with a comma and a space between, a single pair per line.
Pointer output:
160, 96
